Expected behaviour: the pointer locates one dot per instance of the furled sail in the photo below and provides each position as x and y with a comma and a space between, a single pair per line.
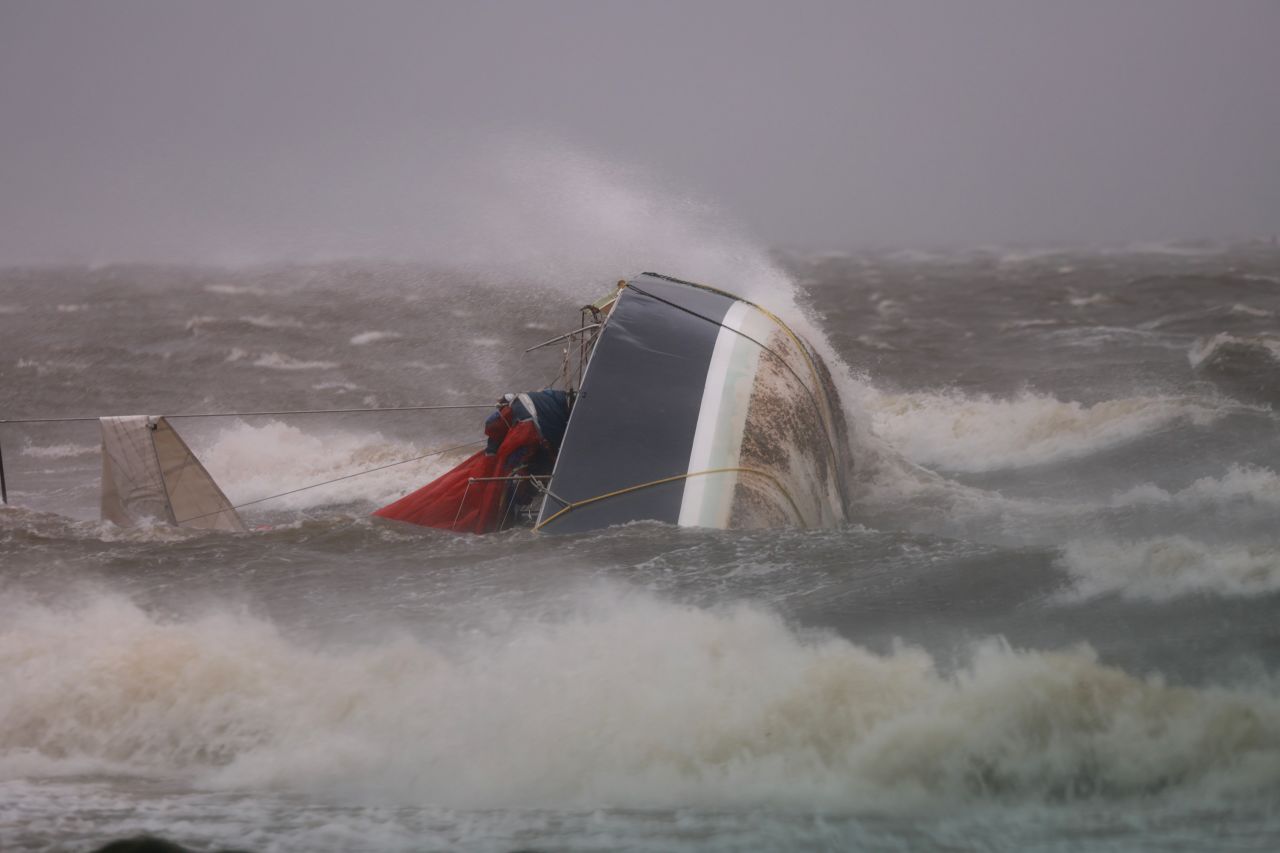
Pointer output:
149, 472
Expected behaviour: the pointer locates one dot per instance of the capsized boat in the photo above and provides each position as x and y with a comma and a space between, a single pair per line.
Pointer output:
688, 406
693, 407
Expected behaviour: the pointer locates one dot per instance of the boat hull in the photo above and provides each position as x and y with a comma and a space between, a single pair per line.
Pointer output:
699, 409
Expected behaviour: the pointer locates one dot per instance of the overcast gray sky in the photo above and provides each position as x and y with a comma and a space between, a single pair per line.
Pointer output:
254, 130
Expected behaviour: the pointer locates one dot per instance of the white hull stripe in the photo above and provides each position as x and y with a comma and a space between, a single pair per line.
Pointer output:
717, 441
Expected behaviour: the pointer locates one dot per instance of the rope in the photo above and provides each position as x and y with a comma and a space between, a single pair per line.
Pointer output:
253, 414
337, 479
572, 505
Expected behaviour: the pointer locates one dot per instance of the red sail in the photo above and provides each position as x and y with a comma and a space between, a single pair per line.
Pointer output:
454, 501
440, 503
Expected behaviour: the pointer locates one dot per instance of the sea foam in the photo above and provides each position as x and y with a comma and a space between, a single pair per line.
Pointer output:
1241, 484
254, 461
960, 432
1225, 350
628, 701
280, 361
59, 451
373, 337
1166, 567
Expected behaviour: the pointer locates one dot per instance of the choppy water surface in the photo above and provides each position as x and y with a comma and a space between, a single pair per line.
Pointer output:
1054, 626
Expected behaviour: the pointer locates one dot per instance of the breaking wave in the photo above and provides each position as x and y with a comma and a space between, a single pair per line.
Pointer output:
44, 368
267, 321
235, 290
632, 702
1242, 353
957, 432
197, 322
280, 361
1241, 484
1167, 567
258, 321
252, 462
59, 451
373, 337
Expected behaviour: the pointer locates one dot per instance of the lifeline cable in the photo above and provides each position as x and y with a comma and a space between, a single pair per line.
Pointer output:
569, 506
453, 526
255, 414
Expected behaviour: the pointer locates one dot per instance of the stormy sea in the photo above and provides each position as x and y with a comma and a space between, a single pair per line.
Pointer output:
1053, 623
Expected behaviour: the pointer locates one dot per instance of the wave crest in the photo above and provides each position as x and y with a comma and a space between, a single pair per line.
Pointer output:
1167, 567
1235, 353
251, 462
958, 432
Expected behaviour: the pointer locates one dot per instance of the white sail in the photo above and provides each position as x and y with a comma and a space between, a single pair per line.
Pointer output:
149, 472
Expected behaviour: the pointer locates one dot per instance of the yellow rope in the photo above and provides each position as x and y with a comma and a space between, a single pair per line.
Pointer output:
572, 505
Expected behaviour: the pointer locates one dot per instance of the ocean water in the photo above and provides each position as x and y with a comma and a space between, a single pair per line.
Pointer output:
1053, 625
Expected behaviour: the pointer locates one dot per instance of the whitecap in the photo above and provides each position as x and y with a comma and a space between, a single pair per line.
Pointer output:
44, 368
1225, 346
1240, 483
1091, 299
267, 321
1030, 323
373, 337
1167, 567
199, 321
959, 432
59, 451
280, 361
234, 289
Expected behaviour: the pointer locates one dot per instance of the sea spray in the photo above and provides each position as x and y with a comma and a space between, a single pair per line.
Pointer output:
574, 221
